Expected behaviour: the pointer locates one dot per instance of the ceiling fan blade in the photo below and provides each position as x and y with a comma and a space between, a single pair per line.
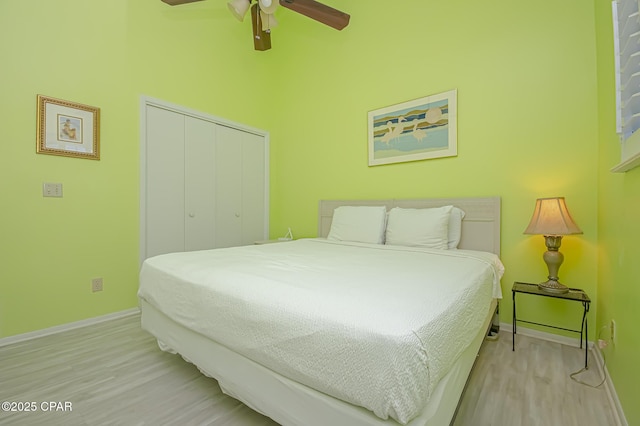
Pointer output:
319, 12
178, 2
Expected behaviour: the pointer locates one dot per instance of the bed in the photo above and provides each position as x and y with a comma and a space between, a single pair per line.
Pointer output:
375, 322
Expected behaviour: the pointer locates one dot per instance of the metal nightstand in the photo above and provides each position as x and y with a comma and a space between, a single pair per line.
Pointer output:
574, 294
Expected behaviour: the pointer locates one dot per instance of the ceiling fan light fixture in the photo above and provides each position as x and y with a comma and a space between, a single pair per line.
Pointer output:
268, 6
239, 8
268, 21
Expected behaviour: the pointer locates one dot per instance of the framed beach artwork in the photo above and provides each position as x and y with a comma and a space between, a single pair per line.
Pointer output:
68, 129
415, 130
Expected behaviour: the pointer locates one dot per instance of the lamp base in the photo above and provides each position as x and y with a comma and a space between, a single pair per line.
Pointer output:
553, 286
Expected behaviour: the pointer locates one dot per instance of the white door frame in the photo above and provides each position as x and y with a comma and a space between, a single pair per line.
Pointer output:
146, 101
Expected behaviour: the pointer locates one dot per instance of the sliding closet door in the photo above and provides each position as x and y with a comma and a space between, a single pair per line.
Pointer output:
180, 197
240, 187
228, 169
203, 183
165, 171
253, 189
199, 189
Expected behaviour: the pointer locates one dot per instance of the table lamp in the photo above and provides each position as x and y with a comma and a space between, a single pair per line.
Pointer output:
551, 219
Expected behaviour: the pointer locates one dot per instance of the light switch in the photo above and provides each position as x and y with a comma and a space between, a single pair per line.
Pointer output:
52, 190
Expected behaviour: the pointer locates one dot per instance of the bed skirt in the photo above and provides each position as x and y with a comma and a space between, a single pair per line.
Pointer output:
293, 404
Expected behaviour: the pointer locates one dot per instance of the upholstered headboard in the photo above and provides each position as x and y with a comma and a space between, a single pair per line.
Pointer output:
480, 226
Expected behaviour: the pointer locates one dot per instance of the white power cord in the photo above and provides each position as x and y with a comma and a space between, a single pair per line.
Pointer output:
288, 236
601, 344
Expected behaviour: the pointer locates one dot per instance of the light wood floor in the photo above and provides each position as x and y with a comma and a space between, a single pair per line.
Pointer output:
532, 386
114, 374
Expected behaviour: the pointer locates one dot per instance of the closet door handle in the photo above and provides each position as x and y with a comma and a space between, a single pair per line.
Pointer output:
237, 214
192, 215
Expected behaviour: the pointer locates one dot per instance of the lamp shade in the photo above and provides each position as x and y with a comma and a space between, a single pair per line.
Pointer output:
268, 21
551, 217
239, 8
268, 6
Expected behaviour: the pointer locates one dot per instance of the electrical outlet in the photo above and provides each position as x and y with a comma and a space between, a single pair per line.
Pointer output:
96, 284
614, 332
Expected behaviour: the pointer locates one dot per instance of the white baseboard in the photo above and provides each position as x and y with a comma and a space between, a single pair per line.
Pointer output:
66, 327
565, 340
595, 352
620, 418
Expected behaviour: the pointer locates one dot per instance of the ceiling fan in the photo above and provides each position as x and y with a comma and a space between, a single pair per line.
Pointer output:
263, 19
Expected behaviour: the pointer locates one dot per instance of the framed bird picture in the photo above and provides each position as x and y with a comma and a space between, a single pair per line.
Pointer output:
67, 128
415, 130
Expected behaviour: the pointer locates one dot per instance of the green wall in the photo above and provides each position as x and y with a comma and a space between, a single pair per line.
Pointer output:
531, 123
52, 248
527, 121
619, 233
105, 54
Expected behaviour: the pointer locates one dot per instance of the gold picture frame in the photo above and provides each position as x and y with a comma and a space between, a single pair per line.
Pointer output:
67, 128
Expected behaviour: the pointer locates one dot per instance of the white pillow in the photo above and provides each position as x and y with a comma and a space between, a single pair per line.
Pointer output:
419, 227
455, 228
363, 224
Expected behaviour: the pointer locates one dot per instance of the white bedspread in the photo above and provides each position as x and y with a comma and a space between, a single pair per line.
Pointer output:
376, 326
